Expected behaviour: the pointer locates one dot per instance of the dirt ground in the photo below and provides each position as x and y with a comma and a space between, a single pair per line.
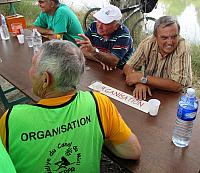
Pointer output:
12, 95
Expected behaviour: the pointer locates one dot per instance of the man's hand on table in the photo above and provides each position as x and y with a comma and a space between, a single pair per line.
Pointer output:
107, 68
43, 31
141, 90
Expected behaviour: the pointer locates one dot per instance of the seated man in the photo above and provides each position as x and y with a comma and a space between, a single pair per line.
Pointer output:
57, 18
66, 130
165, 59
107, 41
6, 165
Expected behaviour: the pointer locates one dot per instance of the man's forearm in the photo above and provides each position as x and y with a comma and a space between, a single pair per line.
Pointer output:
127, 69
44, 31
90, 57
106, 58
164, 84
130, 149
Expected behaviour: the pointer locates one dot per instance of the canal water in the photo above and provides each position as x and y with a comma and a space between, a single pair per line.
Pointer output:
187, 14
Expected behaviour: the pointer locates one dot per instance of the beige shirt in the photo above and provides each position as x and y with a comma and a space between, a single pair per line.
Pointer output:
175, 66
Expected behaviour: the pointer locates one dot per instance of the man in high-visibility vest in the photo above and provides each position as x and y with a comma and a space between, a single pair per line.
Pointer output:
6, 165
66, 130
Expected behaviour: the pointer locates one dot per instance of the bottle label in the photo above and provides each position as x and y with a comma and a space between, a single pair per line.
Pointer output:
186, 114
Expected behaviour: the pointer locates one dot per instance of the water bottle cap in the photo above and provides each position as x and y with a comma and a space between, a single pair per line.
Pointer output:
3, 20
191, 91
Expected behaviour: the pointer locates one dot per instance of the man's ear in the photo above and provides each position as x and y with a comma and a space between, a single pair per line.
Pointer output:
46, 77
52, 3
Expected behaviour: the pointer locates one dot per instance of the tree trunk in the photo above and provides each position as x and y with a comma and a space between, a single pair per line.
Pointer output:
123, 3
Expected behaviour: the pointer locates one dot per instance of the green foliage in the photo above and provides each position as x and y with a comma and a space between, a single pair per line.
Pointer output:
27, 8
4, 9
195, 68
196, 59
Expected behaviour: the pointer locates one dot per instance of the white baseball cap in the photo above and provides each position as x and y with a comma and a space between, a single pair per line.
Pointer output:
108, 14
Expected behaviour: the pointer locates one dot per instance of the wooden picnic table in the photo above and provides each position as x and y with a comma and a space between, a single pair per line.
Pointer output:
159, 154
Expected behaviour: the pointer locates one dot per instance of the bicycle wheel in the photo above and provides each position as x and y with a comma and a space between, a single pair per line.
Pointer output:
88, 18
142, 29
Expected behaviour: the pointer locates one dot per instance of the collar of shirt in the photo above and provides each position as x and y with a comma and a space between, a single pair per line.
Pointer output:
55, 101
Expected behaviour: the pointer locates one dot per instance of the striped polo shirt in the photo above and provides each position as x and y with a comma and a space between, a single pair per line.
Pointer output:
119, 43
175, 66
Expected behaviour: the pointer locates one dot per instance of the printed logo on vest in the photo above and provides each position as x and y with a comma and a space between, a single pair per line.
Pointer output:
68, 162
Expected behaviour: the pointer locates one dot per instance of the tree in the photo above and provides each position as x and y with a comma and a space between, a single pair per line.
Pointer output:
126, 3
123, 3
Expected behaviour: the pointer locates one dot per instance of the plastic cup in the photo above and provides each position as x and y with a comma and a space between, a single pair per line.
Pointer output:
29, 40
20, 38
97, 85
153, 106
17, 29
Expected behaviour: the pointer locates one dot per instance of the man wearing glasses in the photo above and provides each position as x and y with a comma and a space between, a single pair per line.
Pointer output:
165, 59
57, 19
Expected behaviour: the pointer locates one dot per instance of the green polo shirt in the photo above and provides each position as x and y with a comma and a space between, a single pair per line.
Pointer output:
64, 20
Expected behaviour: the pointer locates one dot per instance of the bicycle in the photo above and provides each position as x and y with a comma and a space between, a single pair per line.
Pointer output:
142, 28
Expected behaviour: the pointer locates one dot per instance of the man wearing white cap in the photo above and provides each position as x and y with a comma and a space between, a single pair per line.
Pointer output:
107, 41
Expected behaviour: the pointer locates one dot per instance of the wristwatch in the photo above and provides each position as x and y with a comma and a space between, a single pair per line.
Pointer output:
144, 79
96, 50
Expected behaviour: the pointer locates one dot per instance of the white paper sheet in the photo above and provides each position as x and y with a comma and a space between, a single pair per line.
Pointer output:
121, 96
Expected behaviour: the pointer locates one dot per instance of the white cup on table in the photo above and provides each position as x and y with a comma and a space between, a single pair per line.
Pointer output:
20, 38
153, 106
29, 40
97, 85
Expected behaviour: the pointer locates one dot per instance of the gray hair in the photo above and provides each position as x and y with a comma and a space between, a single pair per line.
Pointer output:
165, 21
56, 1
64, 61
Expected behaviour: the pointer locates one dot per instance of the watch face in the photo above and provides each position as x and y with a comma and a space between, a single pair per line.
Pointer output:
143, 80
97, 50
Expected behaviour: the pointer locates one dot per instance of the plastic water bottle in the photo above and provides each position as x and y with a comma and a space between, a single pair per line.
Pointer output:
37, 40
186, 114
4, 29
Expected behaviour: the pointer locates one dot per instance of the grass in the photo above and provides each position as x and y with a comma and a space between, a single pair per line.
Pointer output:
196, 67
30, 11
27, 8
